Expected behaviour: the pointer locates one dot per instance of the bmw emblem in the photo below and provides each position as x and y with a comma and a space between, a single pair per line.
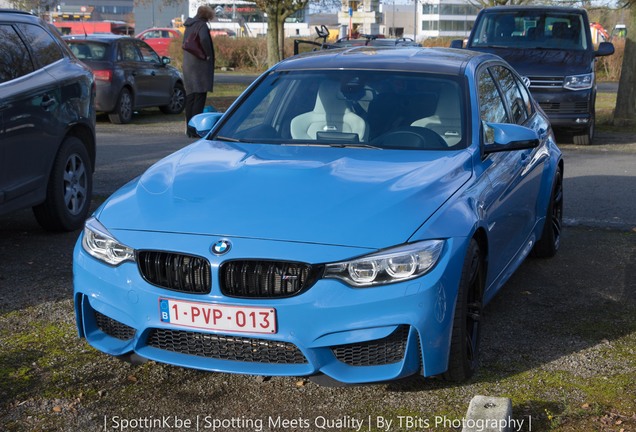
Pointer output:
221, 247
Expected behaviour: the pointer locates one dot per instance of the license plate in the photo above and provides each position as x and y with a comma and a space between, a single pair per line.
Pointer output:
211, 316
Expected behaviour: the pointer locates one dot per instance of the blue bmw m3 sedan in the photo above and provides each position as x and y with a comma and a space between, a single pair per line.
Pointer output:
348, 218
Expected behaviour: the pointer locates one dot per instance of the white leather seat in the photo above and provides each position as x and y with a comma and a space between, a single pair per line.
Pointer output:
447, 120
331, 113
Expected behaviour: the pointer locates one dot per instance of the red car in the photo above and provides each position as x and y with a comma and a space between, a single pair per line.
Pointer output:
159, 38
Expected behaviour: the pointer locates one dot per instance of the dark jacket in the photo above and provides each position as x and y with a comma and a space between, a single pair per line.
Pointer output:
198, 74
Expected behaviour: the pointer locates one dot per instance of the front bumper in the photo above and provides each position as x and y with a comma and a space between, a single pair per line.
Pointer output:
567, 109
353, 335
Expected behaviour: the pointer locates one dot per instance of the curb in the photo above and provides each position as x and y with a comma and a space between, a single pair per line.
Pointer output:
488, 414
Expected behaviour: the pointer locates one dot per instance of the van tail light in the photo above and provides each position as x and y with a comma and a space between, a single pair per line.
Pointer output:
103, 75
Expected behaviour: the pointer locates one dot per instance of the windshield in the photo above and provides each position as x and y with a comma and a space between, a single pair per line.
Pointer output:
531, 29
359, 108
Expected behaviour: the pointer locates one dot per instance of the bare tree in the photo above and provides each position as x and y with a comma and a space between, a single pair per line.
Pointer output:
277, 12
625, 112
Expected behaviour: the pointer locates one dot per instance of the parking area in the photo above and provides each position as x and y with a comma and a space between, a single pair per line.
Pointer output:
559, 339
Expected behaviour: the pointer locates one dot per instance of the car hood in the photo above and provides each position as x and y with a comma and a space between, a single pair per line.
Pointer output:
545, 62
338, 196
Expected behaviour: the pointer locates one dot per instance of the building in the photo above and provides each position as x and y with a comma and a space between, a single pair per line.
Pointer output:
418, 20
446, 18
357, 17
397, 19
242, 17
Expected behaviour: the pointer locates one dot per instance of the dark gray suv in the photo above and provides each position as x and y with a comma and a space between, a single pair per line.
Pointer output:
47, 124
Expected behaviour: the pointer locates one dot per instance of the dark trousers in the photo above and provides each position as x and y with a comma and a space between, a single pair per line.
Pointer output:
194, 104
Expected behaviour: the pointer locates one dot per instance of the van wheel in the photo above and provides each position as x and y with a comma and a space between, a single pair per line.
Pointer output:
587, 137
464, 349
124, 110
69, 190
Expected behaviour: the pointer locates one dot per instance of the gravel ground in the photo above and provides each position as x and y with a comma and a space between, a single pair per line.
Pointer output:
559, 340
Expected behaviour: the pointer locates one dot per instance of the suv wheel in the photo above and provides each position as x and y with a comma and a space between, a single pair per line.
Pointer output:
124, 110
69, 190
177, 101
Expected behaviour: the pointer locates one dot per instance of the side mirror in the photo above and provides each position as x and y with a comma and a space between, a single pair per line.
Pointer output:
203, 123
165, 60
500, 137
604, 49
457, 43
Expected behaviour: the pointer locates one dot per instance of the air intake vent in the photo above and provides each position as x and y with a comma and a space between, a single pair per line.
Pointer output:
113, 328
389, 350
174, 271
266, 279
226, 347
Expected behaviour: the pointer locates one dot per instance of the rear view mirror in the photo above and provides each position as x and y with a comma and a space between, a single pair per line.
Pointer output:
203, 123
604, 49
506, 137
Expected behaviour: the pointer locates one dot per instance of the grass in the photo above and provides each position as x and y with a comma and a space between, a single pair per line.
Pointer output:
227, 90
605, 104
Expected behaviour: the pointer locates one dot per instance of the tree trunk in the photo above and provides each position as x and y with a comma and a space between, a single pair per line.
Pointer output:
625, 112
281, 38
273, 52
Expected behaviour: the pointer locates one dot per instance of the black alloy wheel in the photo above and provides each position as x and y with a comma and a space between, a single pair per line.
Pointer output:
550, 241
464, 350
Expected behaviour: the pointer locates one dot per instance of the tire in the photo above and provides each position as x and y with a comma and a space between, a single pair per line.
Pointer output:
587, 137
124, 109
464, 349
69, 189
548, 245
177, 101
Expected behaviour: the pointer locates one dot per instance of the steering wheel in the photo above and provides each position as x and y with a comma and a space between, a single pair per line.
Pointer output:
410, 137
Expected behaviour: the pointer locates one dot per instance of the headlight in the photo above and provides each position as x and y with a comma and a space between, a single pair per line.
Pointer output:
579, 82
389, 266
99, 243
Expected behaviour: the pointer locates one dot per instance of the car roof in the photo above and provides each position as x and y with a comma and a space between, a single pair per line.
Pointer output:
517, 8
159, 28
102, 37
433, 60
18, 15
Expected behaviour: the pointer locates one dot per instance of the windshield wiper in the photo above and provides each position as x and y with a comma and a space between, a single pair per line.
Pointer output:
222, 138
331, 144
356, 145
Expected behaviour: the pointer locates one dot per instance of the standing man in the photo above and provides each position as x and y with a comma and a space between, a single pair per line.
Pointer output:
198, 74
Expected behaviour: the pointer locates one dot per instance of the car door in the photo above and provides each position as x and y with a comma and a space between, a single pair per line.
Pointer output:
158, 79
31, 98
515, 176
130, 61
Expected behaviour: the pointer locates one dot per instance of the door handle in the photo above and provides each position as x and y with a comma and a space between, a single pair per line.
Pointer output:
47, 102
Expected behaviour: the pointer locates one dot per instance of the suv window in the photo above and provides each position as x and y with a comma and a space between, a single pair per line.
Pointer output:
531, 29
14, 58
44, 47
